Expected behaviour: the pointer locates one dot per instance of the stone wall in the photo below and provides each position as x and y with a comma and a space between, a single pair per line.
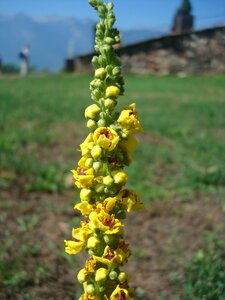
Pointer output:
198, 52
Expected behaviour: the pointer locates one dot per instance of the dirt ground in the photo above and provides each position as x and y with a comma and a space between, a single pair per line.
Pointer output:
162, 237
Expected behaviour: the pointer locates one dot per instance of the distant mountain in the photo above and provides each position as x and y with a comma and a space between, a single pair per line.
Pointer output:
52, 39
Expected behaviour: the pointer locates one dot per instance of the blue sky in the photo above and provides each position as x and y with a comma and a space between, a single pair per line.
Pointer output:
155, 14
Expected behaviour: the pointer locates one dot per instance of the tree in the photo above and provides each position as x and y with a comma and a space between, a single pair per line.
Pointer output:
186, 7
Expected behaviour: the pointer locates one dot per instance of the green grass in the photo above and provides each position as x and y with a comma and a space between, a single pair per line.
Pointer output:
181, 151
204, 276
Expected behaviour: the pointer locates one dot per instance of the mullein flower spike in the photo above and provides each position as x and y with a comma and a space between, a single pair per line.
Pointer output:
100, 174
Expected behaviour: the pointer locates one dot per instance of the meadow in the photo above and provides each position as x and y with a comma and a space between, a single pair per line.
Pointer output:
178, 169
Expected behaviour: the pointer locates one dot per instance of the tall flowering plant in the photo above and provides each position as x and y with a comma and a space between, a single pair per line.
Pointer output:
100, 173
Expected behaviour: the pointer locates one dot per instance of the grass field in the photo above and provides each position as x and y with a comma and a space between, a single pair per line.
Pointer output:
178, 169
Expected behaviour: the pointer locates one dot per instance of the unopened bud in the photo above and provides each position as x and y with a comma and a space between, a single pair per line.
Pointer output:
81, 276
122, 277
109, 103
92, 111
113, 275
100, 73
112, 91
96, 151
107, 180
101, 123
99, 188
90, 289
101, 274
91, 124
97, 166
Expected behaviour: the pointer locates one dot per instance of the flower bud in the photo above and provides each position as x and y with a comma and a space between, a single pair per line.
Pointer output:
99, 188
120, 176
122, 277
97, 166
92, 111
101, 274
100, 73
112, 91
96, 151
109, 103
110, 6
113, 275
95, 61
92, 242
81, 276
89, 162
91, 124
101, 123
116, 71
90, 289
107, 180
85, 194
109, 40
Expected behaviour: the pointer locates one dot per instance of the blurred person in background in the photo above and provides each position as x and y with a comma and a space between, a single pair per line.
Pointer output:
24, 60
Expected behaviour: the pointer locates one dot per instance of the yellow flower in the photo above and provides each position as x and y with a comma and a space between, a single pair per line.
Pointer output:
84, 207
109, 203
127, 147
90, 265
120, 294
92, 111
131, 200
120, 176
81, 233
87, 145
80, 236
73, 247
128, 119
114, 258
106, 138
112, 91
101, 274
83, 177
105, 222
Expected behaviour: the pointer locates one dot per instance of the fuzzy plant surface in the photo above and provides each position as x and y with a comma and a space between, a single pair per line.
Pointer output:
100, 175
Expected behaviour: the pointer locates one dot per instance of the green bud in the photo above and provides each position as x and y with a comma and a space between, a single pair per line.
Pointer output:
117, 39
110, 6
97, 166
109, 103
91, 124
89, 162
116, 71
99, 188
101, 123
113, 275
90, 289
109, 40
101, 288
95, 61
106, 190
91, 252
109, 239
122, 277
105, 49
